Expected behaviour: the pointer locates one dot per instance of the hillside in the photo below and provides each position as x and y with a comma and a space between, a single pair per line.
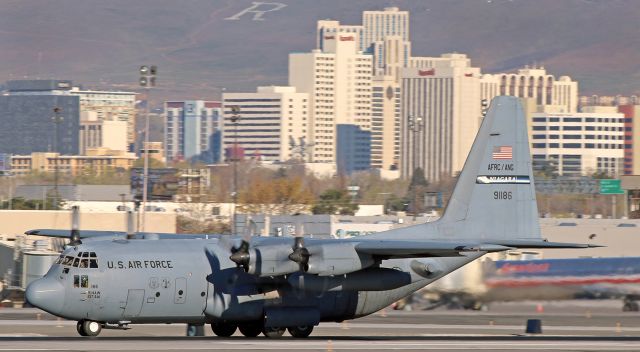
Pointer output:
100, 43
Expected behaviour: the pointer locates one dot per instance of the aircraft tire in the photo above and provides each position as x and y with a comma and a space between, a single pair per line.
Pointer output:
273, 333
300, 331
91, 328
80, 329
252, 329
223, 329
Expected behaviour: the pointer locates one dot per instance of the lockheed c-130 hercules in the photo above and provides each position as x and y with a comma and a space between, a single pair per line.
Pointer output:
272, 284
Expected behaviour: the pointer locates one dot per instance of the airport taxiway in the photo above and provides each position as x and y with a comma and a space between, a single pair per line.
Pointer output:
567, 326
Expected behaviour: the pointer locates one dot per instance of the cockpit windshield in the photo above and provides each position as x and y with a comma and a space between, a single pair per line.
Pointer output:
84, 260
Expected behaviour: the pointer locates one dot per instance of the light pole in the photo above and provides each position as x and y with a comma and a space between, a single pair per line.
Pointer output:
235, 116
57, 119
415, 126
147, 80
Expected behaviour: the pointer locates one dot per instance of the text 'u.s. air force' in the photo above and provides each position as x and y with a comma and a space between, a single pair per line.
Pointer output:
140, 264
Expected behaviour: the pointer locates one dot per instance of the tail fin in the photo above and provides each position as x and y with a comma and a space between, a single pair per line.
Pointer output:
495, 197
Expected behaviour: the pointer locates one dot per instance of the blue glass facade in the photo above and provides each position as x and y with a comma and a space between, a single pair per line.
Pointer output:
353, 149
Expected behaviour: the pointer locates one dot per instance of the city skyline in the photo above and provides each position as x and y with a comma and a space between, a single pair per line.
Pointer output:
222, 46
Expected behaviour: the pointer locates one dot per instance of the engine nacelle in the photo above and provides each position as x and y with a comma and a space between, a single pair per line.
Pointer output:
336, 259
271, 260
371, 279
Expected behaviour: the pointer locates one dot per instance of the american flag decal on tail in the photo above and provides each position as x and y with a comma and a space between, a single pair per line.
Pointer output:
502, 152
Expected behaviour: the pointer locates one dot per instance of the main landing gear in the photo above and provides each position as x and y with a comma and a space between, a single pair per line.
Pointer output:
254, 328
88, 328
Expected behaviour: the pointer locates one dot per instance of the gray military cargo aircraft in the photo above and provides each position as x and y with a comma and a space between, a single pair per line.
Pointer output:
272, 284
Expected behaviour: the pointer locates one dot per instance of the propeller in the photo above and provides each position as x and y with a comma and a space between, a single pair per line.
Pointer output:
74, 238
300, 253
240, 255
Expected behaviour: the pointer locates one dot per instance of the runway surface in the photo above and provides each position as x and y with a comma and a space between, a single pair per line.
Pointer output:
567, 326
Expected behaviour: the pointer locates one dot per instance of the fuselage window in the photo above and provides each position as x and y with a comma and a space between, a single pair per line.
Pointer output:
76, 280
76, 262
84, 281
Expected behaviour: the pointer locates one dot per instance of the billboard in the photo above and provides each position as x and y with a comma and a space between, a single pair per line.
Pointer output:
162, 184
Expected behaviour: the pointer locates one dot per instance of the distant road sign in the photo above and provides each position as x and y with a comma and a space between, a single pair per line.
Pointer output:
610, 187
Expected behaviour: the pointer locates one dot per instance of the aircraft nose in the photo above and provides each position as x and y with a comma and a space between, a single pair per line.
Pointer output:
46, 294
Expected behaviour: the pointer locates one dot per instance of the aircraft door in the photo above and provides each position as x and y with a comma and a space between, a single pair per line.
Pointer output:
134, 303
181, 291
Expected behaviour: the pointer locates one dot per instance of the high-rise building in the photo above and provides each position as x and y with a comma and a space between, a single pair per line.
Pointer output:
441, 112
110, 106
97, 133
338, 81
29, 123
579, 144
631, 145
385, 123
273, 124
386, 36
353, 149
534, 83
191, 130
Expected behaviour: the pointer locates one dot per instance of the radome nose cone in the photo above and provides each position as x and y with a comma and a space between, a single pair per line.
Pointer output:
46, 294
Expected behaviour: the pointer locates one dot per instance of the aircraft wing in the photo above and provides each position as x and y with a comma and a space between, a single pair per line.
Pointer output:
113, 234
419, 249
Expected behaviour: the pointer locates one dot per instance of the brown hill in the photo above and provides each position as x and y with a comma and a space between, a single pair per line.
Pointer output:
101, 43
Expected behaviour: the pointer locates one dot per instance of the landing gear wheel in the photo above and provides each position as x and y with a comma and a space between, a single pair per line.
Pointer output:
80, 329
223, 329
252, 329
89, 328
301, 331
273, 333
630, 307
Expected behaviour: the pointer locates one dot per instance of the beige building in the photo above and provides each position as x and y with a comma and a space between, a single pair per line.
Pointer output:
156, 151
536, 83
273, 124
579, 143
338, 81
110, 106
386, 35
97, 133
441, 113
385, 123
98, 161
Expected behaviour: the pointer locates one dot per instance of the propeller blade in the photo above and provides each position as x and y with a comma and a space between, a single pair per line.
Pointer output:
300, 253
240, 255
130, 226
74, 238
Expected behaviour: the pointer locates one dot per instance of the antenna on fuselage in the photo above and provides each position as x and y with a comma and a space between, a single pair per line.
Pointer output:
74, 238
130, 225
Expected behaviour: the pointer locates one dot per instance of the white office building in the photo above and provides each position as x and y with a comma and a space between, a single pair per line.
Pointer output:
535, 83
110, 106
273, 124
579, 144
338, 81
192, 130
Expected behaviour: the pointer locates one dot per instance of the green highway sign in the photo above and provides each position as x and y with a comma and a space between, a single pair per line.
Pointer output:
610, 187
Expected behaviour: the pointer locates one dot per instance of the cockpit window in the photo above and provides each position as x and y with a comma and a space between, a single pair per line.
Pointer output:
93, 255
67, 260
76, 262
59, 260
84, 263
93, 263
84, 254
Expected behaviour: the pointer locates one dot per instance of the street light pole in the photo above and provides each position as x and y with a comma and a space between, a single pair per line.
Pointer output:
57, 119
235, 116
147, 80
415, 126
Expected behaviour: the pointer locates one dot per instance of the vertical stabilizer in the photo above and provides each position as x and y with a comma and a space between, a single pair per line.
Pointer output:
494, 197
